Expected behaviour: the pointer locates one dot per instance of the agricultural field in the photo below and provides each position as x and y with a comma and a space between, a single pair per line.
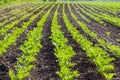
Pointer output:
60, 41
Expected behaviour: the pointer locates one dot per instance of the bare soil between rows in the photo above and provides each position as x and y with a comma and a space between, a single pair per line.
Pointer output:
96, 27
101, 30
9, 58
47, 65
85, 67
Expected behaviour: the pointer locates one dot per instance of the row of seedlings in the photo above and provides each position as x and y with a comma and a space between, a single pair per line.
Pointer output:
62, 51
108, 46
11, 25
8, 20
14, 12
96, 54
29, 49
104, 17
16, 32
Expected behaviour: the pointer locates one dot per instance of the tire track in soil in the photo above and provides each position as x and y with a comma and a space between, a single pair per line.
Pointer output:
8, 59
101, 30
46, 65
116, 62
84, 66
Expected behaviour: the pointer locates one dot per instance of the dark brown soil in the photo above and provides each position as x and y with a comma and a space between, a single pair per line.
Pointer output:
10, 15
108, 11
117, 69
8, 59
17, 17
10, 8
73, 22
46, 65
116, 62
118, 14
20, 23
100, 9
86, 69
101, 30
